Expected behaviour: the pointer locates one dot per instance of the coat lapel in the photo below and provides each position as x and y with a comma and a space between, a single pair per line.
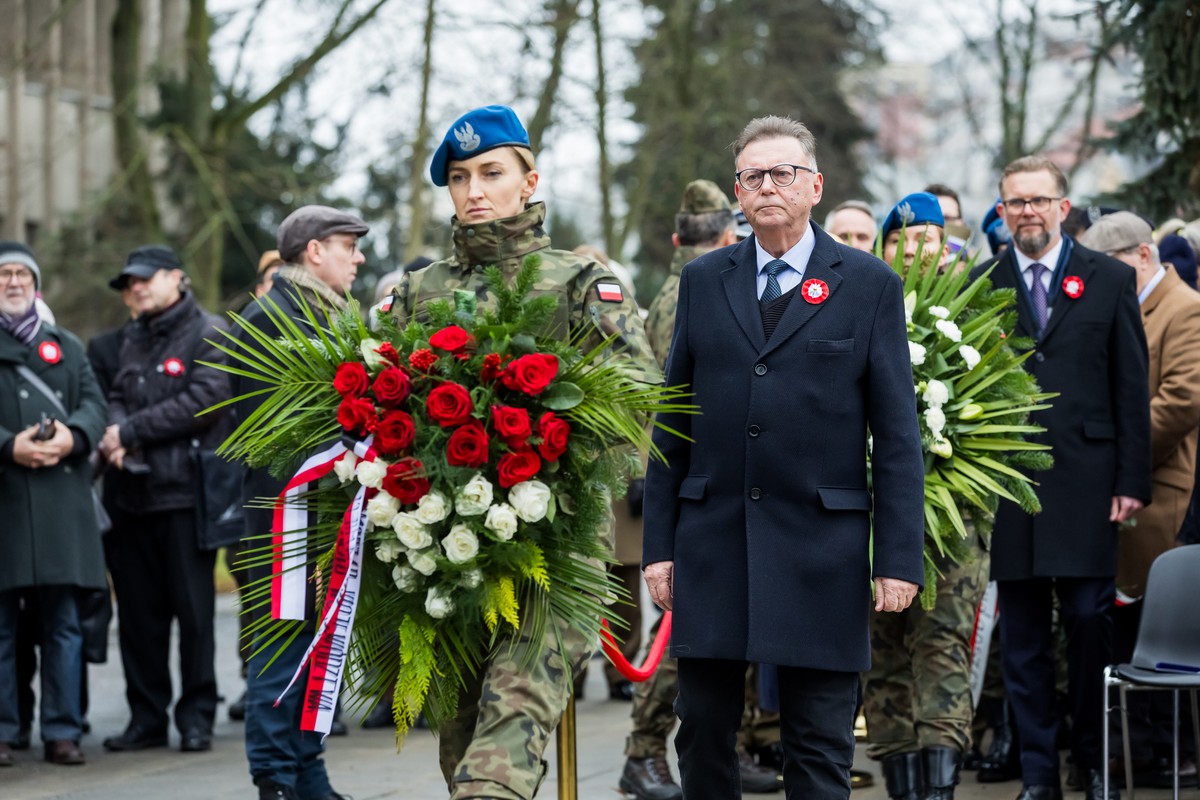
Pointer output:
820, 267
1079, 266
741, 289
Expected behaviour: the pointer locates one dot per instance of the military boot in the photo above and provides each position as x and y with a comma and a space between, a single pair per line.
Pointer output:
941, 771
1003, 760
902, 776
649, 779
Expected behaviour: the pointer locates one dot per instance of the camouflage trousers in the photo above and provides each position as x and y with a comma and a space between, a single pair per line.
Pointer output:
493, 747
917, 693
654, 708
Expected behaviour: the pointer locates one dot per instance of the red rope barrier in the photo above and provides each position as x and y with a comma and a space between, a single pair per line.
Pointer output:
657, 648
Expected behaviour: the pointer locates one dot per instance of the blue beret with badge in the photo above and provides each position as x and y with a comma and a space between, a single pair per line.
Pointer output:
918, 208
477, 132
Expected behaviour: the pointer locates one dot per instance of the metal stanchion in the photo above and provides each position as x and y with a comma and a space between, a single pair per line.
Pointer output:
568, 773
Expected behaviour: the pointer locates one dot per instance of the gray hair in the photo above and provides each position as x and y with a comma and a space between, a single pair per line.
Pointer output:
851, 205
701, 229
773, 127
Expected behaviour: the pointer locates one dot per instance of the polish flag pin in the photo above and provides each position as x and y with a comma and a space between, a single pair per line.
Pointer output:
610, 292
50, 352
814, 291
1072, 286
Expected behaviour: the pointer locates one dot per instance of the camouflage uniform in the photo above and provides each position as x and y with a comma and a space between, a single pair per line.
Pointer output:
494, 746
917, 693
660, 323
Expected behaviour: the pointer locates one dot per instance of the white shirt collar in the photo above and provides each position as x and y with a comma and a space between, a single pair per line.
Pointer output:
797, 257
1158, 276
1049, 260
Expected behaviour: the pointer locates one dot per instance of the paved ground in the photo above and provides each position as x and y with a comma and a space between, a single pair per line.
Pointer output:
364, 764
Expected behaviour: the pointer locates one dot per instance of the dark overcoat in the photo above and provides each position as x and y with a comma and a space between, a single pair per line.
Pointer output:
49, 534
1093, 353
766, 512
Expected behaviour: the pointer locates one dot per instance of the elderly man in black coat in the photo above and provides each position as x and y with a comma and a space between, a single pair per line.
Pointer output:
758, 530
1081, 308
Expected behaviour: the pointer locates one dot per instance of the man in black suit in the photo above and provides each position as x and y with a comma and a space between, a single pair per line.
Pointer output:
757, 531
1081, 309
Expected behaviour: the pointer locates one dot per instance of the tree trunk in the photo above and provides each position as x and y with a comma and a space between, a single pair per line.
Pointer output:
132, 155
565, 15
606, 215
418, 198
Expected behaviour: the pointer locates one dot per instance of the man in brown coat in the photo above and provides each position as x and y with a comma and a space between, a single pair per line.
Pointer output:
1171, 316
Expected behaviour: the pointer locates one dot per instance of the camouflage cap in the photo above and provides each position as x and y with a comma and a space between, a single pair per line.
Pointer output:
703, 197
314, 222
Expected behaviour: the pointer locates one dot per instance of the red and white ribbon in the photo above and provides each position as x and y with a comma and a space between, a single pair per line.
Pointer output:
986, 618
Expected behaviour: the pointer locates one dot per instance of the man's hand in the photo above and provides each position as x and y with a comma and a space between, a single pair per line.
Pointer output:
111, 441
1123, 508
658, 578
62, 442
32, 454
893, 594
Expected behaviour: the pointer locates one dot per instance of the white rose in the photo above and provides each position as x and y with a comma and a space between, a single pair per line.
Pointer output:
471, 578
381, 508
474, 498
388, 550
432, 508
344, 467
371, 473
936, 394
438, 605
941, 447
941, 312
373, 360
916, 354
461, 544
501, 520
405, 578
970, 355
949, 330
422, 561
410, 531
935, 420
530, 499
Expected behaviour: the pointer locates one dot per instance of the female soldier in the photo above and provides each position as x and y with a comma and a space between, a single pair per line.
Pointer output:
493, 748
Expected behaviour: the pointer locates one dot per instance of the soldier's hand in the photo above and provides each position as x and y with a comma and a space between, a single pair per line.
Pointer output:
658, 577
893, 594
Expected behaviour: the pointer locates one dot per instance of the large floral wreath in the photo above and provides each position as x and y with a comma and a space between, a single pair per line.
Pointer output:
471, 494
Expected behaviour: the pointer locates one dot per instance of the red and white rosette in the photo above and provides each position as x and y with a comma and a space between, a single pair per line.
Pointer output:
1072, 286
174, 367
50, 352
814, 291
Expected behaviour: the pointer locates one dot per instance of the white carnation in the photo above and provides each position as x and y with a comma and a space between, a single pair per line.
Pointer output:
530, 499
405, 578
941, 312
474, 497
936, 394
970, 355
438, 605
461, 544
388, 550
422, 561
916, 354
501, 520
371, 473
935, 420
471, 578
410, 531
949, 330
432, 508
381, 508
344, 467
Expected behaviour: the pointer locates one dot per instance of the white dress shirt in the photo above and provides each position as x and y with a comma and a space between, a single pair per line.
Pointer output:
796, 258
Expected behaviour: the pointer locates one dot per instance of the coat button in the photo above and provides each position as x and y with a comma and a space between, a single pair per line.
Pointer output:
24, 394
755, 493
1039, 357
67, 469
760, 369
754, 430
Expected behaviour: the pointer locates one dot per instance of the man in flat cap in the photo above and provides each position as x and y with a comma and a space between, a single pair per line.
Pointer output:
159, 571
1171, 317
319, 247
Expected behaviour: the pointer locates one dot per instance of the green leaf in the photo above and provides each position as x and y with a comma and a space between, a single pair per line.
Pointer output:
562, 396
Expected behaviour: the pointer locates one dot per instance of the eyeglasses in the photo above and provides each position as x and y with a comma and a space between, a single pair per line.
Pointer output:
23, 277
349, 242
781, 175
1039, 204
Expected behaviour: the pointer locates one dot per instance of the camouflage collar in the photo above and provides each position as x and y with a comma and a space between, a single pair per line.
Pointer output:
685, 253
503, 242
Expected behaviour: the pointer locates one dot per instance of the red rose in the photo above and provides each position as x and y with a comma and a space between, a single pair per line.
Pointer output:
351, 378
512, 424
554, 432
389, 354
468, 446
357, 415
392, 387
451, 337
449, 405
492, 367
422, 359
405, 480
531, 374
516, 468
394, 433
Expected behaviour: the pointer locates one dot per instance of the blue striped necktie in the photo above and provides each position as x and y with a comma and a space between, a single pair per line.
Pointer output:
773, 268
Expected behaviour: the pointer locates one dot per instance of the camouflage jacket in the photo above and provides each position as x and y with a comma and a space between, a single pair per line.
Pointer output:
574, 280
660, 325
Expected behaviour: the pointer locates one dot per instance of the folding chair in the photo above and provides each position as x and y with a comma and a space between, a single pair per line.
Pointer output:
1167, 653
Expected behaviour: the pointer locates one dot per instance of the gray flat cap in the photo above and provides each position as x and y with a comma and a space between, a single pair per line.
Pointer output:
314, 222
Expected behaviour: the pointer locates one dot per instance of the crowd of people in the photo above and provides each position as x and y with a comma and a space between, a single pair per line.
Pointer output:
789, 564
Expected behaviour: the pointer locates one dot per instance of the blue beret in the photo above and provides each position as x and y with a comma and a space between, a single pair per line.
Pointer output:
995, 228
477, 132
918, 208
